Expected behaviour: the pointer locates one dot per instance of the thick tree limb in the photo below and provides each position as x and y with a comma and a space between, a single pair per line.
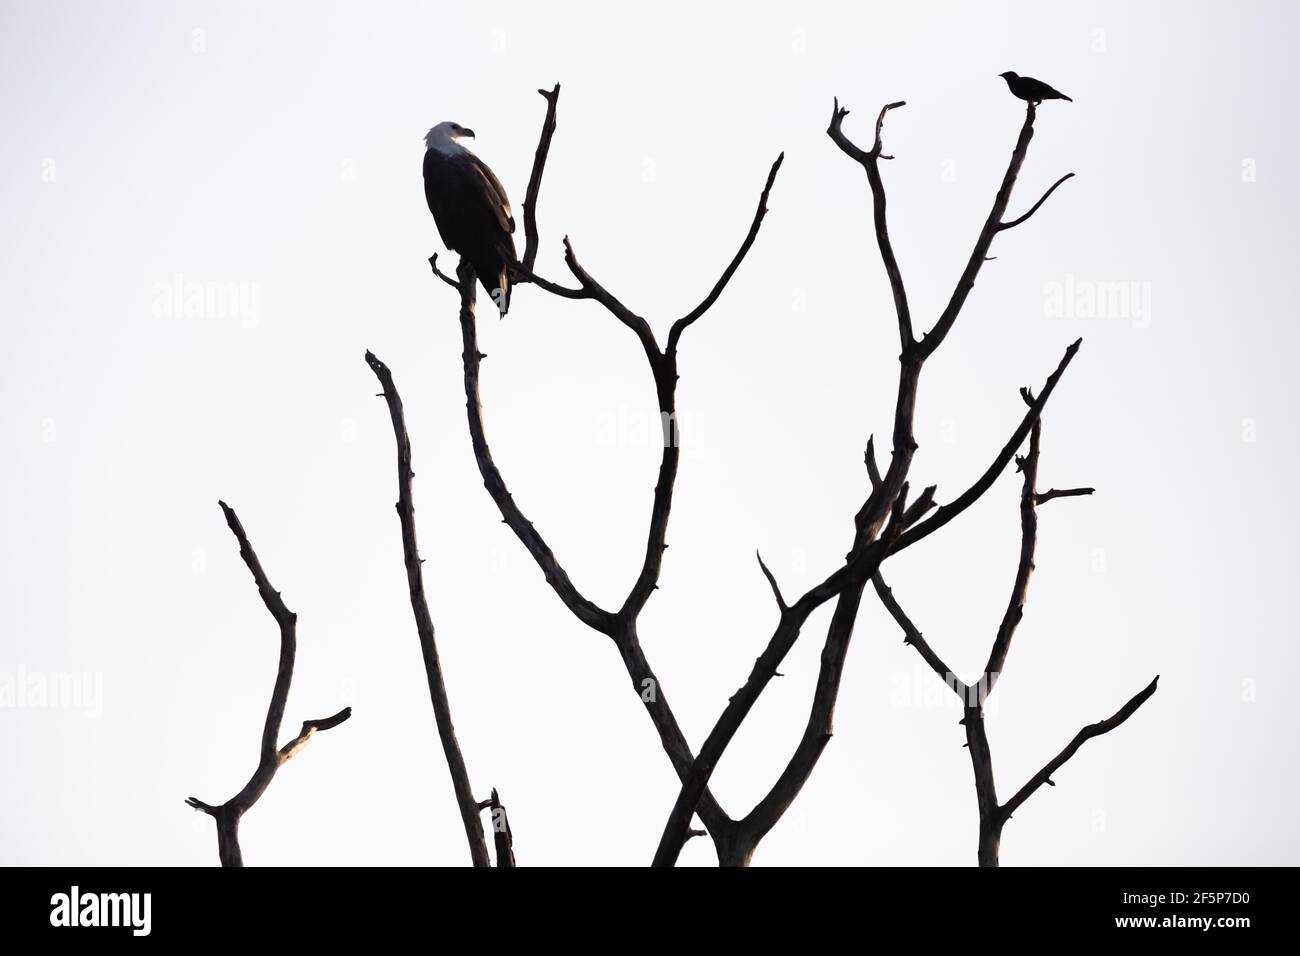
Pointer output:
270, 759
424, 621
819, 727
846, 583
583, 609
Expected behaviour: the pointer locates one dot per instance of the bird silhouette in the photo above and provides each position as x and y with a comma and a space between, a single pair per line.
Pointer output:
1028, 88
471, 208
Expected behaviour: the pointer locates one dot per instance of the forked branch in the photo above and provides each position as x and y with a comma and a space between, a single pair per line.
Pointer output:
270, 758
870, 161
870, 546
620, 625
993, 815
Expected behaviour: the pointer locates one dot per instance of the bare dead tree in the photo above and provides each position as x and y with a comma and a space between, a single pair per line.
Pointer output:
270, 759
873, 539
621, 625
885, 524
469, 807
228, 814
993, 815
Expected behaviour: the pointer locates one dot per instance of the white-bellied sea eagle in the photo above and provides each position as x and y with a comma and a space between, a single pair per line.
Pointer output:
471, 208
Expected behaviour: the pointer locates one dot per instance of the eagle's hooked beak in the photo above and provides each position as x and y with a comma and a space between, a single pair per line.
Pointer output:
467, 132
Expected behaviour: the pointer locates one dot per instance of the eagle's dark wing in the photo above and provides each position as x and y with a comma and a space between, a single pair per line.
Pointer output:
472, 211
493, 189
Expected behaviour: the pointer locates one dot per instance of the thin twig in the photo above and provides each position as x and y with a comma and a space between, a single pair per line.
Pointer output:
552, 97
912, 635
680, 326
1087, 733
992, 226
1051, 493
1034, 208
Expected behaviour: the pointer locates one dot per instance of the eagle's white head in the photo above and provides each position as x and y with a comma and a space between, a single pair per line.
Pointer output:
446, 137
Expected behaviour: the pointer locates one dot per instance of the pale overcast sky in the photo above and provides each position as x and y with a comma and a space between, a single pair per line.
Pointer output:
275, 149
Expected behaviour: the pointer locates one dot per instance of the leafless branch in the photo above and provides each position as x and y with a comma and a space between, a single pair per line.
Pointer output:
502, 836
535, 179
424, 621
1062, 493
873, 467
913, 636
993, 815
1044, 776
1024, 568
776, 589
616, 308
992, 226
869, 161
945, 513
309, 728
1034, 208
921, 506
680, 326
270, 759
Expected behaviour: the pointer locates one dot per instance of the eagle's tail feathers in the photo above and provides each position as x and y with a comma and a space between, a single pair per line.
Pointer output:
498, 289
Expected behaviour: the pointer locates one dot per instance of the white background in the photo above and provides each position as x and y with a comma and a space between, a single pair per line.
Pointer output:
280, 148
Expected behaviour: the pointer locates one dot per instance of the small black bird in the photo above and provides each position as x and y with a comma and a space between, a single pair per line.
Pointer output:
1028, 88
